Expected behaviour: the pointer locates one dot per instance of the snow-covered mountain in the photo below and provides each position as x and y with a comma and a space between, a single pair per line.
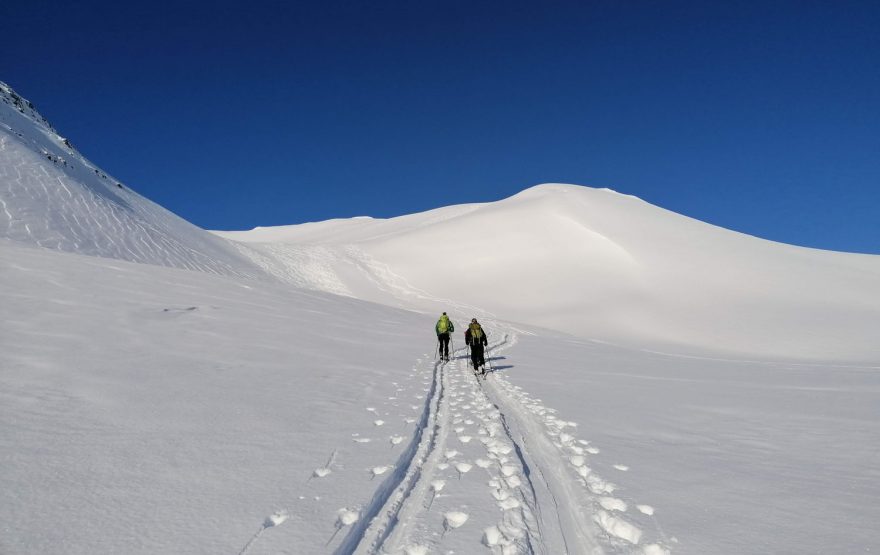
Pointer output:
54, 197
149, 408
597, 264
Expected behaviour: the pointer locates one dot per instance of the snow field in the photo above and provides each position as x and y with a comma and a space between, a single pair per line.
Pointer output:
130, 414
234, 406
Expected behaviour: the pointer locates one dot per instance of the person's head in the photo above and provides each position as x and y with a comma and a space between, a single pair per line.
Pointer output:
473, 320
444, 314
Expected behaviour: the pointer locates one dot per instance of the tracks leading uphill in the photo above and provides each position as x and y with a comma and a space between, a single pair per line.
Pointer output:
488, 465
405, 487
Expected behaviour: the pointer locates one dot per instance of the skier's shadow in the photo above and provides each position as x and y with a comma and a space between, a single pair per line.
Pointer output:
500, 368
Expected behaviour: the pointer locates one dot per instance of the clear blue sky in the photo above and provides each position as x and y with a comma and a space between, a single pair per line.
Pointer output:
763, 117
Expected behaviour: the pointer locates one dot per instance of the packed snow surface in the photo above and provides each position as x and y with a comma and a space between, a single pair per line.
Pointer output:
656, 385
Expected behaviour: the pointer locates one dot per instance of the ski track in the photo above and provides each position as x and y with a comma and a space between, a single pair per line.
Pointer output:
536, 473
380, 515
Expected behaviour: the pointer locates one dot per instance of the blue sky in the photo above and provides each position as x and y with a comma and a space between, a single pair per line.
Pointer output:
763, 117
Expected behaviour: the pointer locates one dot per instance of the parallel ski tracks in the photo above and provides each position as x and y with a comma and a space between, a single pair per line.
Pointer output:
404, 492
553, 515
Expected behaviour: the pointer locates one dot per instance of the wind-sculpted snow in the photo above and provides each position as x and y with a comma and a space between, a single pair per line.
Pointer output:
53, 197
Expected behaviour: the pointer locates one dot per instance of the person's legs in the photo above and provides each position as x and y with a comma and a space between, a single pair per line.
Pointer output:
477, 355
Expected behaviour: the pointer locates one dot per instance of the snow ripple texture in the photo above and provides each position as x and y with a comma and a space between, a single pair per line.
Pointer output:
53, 197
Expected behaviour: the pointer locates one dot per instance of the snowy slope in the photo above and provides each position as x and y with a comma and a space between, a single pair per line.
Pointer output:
153, 410
597, 264
54, 197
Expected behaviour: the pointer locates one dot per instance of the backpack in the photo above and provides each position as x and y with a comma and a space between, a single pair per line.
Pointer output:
443, 325
476, 332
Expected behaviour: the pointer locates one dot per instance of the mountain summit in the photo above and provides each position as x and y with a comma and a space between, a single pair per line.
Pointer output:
600, 265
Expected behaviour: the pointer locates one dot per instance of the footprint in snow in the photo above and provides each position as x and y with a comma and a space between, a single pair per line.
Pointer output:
276, 519
513, 481
379, 470
509, 503
344, 517
347, 517
454, 519
612, 504
618, 527
598, 485
378, 422
321, 472
463, 468
621, 467
645, 509
395, 440
492, 537
508, 470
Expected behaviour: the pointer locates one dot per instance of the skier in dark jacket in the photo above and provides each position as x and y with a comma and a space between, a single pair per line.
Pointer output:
475, 337
443, 328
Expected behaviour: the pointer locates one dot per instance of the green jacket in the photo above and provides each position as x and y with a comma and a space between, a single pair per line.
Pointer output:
449, 327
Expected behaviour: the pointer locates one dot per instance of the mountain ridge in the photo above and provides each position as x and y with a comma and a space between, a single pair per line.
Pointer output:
56, 198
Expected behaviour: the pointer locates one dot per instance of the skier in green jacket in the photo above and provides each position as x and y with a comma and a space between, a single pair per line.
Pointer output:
443, 328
